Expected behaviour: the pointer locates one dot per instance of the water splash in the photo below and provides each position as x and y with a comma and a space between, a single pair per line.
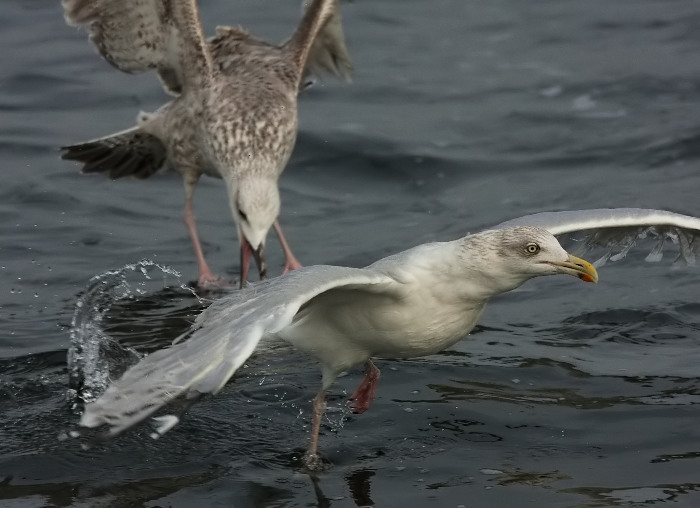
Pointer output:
337, 415
94, 357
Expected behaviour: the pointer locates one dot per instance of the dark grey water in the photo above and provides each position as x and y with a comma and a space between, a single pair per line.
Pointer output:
461, 114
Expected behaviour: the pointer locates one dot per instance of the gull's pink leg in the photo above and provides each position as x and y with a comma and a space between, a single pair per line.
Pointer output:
364, 395
311, 458
206, 277
290, 262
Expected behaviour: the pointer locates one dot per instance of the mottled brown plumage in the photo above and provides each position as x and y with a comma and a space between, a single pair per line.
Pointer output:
235, 112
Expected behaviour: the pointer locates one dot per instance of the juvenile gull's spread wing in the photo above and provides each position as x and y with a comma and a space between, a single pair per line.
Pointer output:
618, 230
315, 22
137, 35
225, 335
234, 48
328, 52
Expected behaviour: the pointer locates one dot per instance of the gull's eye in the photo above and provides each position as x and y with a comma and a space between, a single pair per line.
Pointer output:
242, 214
532, 248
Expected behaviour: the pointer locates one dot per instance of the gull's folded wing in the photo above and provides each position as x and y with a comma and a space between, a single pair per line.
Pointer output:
617, 230
223, 337
137, 35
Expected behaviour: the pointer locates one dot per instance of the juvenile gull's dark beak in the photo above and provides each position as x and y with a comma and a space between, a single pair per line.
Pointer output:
247, 252
259, 255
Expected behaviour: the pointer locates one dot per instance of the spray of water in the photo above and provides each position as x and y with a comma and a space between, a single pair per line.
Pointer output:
94, 357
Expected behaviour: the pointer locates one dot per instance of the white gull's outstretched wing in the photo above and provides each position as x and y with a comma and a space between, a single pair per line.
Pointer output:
617, 230
137, 35
224, 336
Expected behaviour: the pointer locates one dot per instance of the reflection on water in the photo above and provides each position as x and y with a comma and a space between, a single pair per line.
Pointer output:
602, 497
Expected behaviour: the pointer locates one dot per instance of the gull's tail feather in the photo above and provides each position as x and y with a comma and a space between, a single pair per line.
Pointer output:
169, 381
127, 153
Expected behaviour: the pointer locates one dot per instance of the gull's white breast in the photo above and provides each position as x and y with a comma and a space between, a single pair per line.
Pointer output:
345, 327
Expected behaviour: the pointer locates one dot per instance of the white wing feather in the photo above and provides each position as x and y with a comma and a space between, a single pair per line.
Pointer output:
224, 336
619, 228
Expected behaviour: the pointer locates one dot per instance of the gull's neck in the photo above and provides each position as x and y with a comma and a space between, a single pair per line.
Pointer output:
442, 268
464, 270
481, 258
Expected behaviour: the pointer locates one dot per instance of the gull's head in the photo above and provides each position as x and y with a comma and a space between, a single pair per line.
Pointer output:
506, 258
255, 204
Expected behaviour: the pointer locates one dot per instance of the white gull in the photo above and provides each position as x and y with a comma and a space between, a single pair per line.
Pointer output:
414, 303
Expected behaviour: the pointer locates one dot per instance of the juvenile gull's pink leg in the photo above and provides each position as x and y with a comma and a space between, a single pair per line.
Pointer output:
290, 262
364, 395
206, 278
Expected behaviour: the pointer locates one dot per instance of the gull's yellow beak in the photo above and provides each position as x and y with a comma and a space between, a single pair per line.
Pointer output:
580, 268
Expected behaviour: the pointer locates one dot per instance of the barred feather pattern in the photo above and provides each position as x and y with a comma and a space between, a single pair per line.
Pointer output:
138, 35
128, 153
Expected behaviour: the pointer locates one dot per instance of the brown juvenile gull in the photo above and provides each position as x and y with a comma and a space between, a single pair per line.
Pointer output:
414, 303
235, 112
